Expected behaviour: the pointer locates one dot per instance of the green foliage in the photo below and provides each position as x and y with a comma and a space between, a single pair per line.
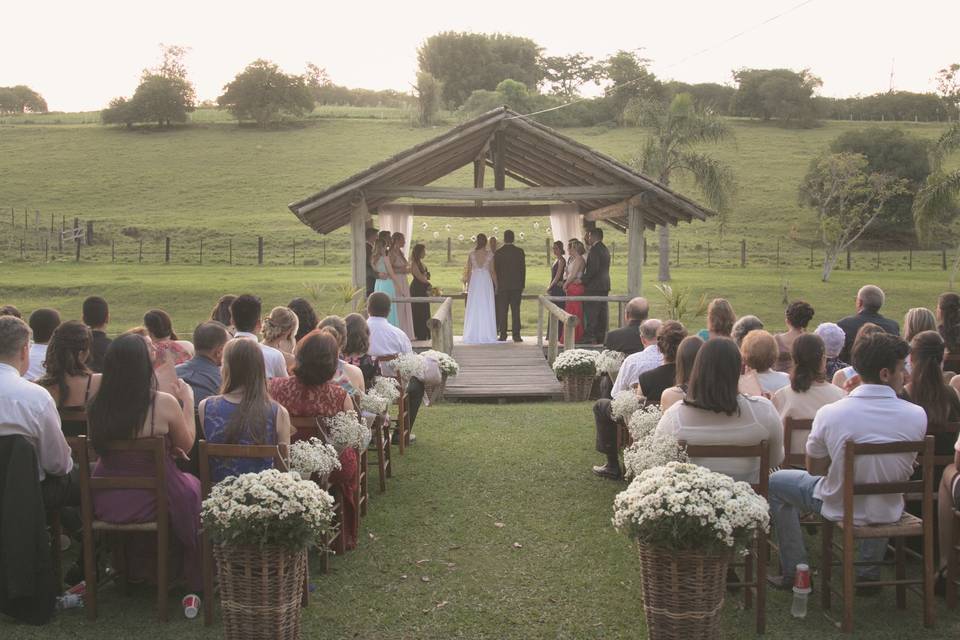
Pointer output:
164, 94
264, 94
776, 94
679, 305
948, 86
890, 105
937, 200
631, 82
708, 96
429, 91
21, 99
566, 74
465, 62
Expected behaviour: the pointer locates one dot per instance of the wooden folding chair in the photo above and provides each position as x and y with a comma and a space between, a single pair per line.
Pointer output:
381, 438
791, 458
207, 450
74, 414
953, 563
757, 557
908, 526
403, 427
156, 448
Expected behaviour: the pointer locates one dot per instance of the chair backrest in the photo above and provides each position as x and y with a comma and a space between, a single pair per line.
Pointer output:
791, 426
924, 486
75, 415
279, 453
310, 426
761, 450
949, 431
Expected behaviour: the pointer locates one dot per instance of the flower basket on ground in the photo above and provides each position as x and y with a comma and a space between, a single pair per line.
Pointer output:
261, 525
687, 522
446, 366
576, 369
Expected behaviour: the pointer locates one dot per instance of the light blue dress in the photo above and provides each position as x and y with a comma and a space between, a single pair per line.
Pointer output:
386, 285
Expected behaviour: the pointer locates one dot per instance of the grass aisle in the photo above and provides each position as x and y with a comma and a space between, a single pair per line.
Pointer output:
434, 564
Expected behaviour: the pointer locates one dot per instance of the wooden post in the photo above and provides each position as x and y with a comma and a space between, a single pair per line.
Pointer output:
708, 253
113, 251
943, 258
166, 252
636, 250
449, 250
63, 227
294, 253
546, 244
77, 243
811, 256
76, 228
910, 259
848, 258
499, 160
778, 253
358, 244
743, 254
540, 325
52, 222
570, 333
644, 251
878, 259
46, 250
140, 254
324, 243
260, 250
552, 340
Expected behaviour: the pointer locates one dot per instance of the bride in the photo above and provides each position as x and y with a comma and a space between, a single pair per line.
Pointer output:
480, 323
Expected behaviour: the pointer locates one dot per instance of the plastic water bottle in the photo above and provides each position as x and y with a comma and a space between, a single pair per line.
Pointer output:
801, 591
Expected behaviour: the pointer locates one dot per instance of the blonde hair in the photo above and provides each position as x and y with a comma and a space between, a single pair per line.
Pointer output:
759, 350
280, 322
918, 320
720, 317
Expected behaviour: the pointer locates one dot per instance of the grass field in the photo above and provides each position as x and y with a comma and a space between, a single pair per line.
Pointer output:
526, 466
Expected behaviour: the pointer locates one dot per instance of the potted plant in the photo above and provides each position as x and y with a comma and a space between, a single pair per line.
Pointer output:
447, 367
576, 368
687, 522
261, 526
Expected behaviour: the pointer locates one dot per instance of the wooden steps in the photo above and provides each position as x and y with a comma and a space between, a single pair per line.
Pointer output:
505, 370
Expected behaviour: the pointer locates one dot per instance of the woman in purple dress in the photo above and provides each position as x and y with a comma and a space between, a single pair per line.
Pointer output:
129, 406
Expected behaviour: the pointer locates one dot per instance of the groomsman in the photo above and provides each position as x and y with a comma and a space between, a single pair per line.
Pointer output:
596, 282
511, 267
371, 235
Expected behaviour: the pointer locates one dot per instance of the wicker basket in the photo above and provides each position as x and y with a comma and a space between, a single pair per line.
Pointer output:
433, 393
260, 591
577, 388
682, 593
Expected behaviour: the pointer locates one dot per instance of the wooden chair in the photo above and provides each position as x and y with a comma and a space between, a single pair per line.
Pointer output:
403, 428
791, 458
73, 414
953, 563
156, 448
207, 450
908, 526
753, 585
381, 438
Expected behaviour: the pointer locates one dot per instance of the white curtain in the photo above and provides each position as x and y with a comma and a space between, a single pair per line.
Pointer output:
397, 217
565, 222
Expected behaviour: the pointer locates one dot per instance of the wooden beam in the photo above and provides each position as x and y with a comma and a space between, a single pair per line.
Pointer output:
479, 166
499, 159
618, 210
599, 192
513, 175
635, 229
472, 211
358, 244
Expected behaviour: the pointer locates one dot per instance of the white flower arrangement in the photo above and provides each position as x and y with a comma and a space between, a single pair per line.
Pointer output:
644, 421
682, 506
373, 403
313, 456
624, 404
386, 388
654, 450
267, 509
410, 365
609, 362
347, 431
445, 361
576, 362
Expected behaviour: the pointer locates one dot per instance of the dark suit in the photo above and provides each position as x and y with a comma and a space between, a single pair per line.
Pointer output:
371, 272
596, 282
511, 267
654, 382
851, 325
625, 339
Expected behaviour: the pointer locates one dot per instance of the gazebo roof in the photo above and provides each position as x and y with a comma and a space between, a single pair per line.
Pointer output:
532, 154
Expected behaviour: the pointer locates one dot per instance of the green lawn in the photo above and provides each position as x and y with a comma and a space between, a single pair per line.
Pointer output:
526, 466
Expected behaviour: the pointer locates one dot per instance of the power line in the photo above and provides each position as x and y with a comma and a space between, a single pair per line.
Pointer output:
683, 60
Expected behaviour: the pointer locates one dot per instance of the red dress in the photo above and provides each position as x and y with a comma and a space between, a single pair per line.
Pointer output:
325, 400
575, 308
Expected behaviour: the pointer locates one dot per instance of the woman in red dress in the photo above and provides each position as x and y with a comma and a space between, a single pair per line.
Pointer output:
310, 392
572, 285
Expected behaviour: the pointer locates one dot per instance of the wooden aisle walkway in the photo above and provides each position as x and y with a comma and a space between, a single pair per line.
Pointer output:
504, 370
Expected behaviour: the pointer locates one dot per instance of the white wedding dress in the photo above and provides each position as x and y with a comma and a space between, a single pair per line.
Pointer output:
480, 322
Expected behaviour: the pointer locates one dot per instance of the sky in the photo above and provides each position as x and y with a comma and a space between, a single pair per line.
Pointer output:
80, 55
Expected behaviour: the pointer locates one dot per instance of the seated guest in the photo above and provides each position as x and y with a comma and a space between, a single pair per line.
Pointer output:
948, 500
720, 319
279, 331
96, 315
42, 324
808, 389
627, 338
202, 372
245, 312
67, 378
388, 340
310, 391
157, 322
872, 413
759, 352
948, 319
221, 312
654, 382
714, 413
833, 339
128, 408
10, 310
306, 316
928, 390
847, 378
686, 355
869, 300
243, 413
743, 326
348, 376
798, 316
917, 320
642, 361
355, 350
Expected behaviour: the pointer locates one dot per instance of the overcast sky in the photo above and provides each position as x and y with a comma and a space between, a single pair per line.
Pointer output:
79, 55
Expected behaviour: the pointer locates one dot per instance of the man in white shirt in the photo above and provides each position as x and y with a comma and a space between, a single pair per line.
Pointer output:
28, 410
43, 322
642, 361
872, 413
245, 312
388, 340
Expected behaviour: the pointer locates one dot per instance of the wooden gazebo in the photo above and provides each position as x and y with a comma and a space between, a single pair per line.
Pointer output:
553, 167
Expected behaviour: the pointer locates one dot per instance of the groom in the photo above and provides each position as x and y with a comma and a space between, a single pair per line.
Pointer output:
511, 268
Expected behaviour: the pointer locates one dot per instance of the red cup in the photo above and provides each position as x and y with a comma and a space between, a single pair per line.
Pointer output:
191, 605
801, 579
78, 589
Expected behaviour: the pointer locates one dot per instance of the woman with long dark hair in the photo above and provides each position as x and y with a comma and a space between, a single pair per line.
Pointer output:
160, 327
557, 271
68, 379
948, 316
221, 312
243, 412
798, 315
128, 407
927, 388
354, 351
306, 317
715, 413
420, 288
348, 376
686, 356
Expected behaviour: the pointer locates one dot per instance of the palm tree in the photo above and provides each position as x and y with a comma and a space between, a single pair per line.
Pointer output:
678, 130
938, 196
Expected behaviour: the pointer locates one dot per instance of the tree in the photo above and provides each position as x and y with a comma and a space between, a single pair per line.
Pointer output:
678, 131
780, 94
631, 82
317, 79
21, 99
566, 74
264, 94
847, 199
120, 111
164, 94
936, 201
428, 91
948, 86
466, 62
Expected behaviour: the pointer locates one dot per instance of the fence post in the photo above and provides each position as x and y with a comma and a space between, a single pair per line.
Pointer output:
778, 253
546, 244
77, 243
943, 258
260, 250
166, 254
140, 256
910, 260
811, 256
63, 227
294, 253
113, 251
743, 253
449, 249
848, 258
46, 250
201, 250
52, 221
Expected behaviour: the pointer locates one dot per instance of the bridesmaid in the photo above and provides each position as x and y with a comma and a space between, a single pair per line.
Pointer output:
557, 274
572, 285
378, 260
400, 270
420, 288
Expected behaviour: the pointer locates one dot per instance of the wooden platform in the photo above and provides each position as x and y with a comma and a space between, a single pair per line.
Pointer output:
505, 370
